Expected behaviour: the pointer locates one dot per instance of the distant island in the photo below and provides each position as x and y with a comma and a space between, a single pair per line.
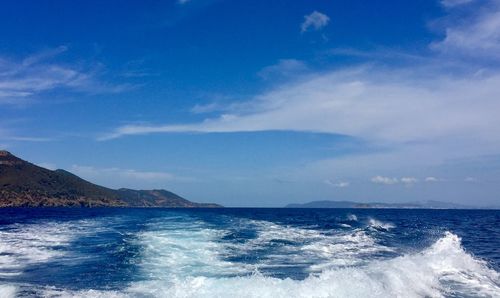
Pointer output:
23, 184
411, 205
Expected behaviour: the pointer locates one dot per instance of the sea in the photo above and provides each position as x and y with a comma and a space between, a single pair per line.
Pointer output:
231, 252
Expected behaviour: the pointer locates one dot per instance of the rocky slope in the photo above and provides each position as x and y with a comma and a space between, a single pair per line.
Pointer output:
23, 184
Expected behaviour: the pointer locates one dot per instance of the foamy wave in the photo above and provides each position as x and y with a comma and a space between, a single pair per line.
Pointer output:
444, 269
377, 224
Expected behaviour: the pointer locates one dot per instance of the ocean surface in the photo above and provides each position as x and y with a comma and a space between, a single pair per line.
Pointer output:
249, 253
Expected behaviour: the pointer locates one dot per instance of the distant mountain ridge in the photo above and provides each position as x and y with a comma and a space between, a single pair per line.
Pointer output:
410, 205
23, 184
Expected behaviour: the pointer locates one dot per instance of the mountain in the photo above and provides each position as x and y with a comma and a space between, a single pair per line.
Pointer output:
350, 204
157, 198
23, 184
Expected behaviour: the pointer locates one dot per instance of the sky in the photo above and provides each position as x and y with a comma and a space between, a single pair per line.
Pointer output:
259, 103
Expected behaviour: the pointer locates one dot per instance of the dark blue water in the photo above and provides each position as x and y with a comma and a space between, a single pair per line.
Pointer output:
249, 253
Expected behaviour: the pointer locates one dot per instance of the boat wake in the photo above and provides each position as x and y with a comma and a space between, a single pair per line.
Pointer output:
187, 257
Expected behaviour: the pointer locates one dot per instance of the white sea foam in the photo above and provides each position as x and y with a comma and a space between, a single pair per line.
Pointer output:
377, 224
176, 248
352, 217
444, 269
7, 291
184, 257
319, 250
23, 245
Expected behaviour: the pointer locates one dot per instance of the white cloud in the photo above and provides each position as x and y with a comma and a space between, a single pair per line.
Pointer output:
339, 184
43, 55
316, 20
384, 180
409, 180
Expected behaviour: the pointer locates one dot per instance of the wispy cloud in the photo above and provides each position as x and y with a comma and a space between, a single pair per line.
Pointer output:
25, 138
316, 20
21, 79
477, 36
207, 108
283, 69
365, 102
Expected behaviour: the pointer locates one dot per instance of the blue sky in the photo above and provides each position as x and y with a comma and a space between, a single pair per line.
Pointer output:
259, 103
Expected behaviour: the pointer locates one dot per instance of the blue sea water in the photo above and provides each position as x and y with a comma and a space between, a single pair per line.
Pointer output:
249, 253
